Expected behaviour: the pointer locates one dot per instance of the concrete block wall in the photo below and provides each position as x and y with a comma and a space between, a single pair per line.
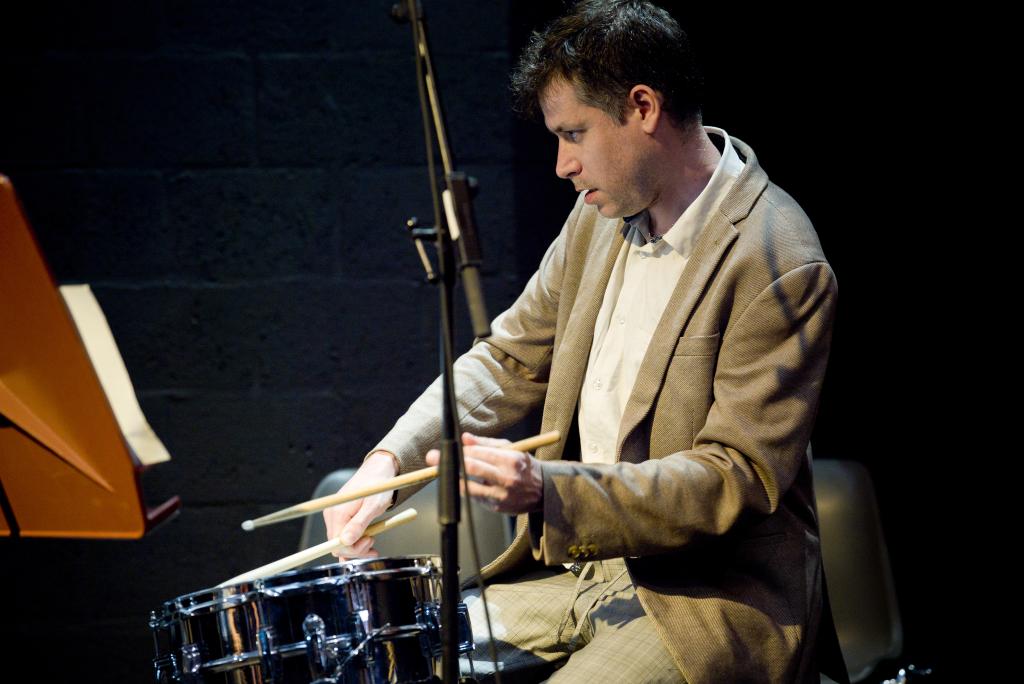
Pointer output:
233, 179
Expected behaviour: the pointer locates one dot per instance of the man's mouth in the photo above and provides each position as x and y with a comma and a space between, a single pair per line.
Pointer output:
589, 196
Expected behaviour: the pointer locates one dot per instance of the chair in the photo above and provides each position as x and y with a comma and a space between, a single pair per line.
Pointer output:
423, 535
856, 561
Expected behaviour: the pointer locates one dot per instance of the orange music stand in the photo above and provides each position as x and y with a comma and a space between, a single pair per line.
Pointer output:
66, 467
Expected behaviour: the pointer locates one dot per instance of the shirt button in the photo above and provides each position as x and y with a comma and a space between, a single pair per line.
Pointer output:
593, 447
622, 320
597, 384
643, 255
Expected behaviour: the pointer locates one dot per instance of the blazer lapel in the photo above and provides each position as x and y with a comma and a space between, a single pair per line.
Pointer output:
570, 362
711, 247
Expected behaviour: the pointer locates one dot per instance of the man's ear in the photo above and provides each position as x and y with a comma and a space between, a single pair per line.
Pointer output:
645, 103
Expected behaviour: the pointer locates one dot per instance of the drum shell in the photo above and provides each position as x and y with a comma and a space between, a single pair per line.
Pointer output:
287, 599
400, 658
224, 623
396, 599
390, 594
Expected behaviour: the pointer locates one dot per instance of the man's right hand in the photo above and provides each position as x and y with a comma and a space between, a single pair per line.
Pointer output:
350, 520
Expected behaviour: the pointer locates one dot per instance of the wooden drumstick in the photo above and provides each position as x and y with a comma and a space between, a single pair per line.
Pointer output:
314, 552
399, 482
314, 505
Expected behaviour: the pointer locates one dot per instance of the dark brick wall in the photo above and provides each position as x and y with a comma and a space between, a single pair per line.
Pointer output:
232, 178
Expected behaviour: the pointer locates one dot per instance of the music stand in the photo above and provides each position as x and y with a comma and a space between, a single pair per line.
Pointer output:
69, 467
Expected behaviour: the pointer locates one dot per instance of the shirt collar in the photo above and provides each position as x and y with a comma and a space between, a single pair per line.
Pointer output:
684, 232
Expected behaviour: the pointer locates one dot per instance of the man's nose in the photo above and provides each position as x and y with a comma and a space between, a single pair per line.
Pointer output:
566, 165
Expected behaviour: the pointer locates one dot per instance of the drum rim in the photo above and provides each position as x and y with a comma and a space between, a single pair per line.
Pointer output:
232, 662
430, 557
390, 574
217, 602
303, 587
318, 570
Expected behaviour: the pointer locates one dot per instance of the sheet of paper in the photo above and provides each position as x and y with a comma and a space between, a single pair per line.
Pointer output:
106, 359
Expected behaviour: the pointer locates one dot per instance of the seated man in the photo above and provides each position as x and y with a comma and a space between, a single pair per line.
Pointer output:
676, 332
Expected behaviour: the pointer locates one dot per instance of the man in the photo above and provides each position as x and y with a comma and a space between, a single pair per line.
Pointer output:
680, 324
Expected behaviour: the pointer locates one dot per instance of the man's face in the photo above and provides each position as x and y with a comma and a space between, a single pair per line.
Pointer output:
597, 153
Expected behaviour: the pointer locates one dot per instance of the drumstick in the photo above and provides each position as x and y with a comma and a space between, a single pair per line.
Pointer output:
399, 482
313, 552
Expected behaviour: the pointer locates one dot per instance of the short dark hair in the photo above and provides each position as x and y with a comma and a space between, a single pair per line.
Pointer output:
604, 48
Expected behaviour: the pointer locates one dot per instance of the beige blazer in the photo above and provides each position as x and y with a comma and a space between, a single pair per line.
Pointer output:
711, 499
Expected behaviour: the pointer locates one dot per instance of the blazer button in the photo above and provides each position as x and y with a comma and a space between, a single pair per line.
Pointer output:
574, 551
591, 549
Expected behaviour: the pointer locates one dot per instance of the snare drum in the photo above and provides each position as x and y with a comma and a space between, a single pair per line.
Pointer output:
315, 631
393, 598
216, 635
290, 628
373, 621
398, 600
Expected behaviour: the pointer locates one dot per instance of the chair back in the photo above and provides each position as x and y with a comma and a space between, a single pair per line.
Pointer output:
860, 582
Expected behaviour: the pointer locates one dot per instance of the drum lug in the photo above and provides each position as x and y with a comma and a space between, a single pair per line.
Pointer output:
166, 671
191, 661
428, 614
270, 658
465, 630
323, 657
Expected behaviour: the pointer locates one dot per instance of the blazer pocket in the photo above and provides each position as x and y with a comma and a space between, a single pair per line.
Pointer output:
698, 345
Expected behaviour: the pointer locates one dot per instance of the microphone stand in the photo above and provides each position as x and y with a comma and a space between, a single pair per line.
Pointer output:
454, 226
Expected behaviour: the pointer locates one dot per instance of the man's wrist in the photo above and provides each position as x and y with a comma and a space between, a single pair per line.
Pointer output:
379, 457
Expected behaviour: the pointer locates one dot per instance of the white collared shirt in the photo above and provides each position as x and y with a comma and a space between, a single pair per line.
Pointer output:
641, 283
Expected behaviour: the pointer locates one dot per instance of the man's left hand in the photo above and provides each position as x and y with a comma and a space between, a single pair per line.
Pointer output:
505, 481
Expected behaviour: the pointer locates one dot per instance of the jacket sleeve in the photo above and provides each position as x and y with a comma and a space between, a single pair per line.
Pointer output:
767, 382
500, 379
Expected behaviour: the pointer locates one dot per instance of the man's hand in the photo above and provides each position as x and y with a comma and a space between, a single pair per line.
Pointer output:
350, 520
503, 480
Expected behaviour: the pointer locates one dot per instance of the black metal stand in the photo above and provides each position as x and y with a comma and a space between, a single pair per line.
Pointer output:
453, 226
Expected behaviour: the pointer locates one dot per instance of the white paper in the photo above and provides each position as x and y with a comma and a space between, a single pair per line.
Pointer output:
106, 359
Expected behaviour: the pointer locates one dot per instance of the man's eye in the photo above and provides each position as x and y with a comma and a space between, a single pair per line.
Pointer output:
572, 136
